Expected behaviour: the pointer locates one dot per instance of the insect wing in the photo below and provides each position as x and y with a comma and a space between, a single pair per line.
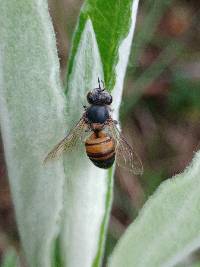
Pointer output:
125, 156
69, 142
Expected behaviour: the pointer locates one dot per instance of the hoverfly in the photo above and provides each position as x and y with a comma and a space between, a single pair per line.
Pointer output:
105, 144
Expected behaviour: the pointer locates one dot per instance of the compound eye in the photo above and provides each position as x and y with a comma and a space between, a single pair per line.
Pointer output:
89, 98
109, 100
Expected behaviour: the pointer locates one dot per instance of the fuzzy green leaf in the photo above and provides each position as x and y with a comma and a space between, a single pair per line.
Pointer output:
87, 185
112, 21
73, 201
167, 229
90, 193
32, 119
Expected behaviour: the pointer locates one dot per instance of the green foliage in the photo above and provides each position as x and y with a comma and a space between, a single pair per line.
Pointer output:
172, 50
10, 259
32, 121
153, 12
167, 229
83, 75
87, 187
111, 21
185, 95
190, 262
62, 207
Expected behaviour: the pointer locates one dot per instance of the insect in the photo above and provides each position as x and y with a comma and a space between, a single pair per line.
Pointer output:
105, 143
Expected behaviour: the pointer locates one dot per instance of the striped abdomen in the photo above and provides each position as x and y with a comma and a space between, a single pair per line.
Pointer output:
101, 150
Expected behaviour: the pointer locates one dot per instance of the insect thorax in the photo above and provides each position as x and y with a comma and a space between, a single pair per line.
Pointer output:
97, 114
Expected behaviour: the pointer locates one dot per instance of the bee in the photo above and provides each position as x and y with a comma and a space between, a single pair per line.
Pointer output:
105, 143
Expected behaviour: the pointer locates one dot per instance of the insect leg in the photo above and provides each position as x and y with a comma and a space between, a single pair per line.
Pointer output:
85, 107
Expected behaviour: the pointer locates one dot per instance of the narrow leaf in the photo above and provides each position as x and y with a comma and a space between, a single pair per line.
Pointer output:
86, 189
31, 118
88, 194
167, 229
32, 121
112, 21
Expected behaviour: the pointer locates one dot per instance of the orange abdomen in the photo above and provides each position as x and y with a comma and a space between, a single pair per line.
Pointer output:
101, 150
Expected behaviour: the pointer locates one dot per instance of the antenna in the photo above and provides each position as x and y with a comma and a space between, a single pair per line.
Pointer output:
99, 82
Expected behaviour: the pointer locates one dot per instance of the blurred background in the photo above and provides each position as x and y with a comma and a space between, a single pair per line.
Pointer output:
160, 111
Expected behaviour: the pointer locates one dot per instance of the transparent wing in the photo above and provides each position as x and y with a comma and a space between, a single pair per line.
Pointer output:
125, 156
69, 142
